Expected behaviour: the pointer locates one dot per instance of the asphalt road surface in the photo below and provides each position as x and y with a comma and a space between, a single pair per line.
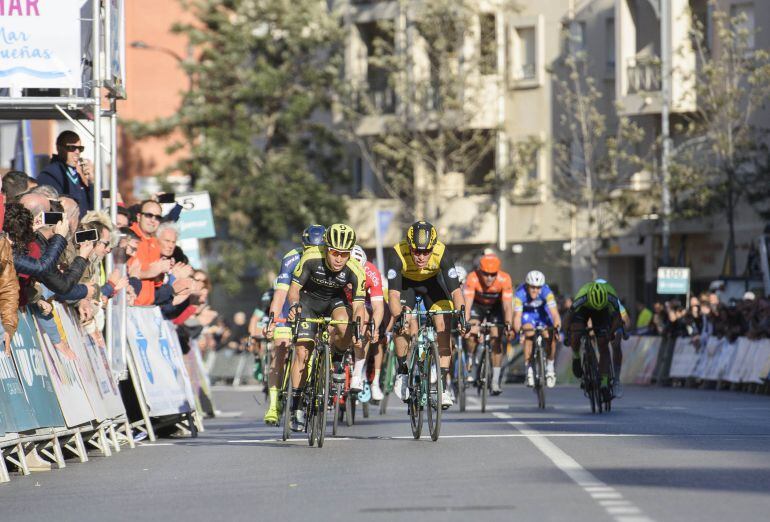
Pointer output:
662, 454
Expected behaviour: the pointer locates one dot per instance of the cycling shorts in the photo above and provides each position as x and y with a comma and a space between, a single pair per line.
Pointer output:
493, 313
312, 307
602, 321
536, 317
433, 295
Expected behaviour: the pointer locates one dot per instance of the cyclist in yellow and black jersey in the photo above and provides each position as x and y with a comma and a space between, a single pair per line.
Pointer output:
318, 290
421, 266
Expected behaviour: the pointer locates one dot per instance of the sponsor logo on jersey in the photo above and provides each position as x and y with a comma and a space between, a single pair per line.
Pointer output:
452, 273
391, 274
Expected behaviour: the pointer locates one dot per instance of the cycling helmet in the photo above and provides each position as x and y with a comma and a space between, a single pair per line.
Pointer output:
462, 274
340, 237
359, 255
313, 235
597, 296
421, 236
489, 263
535, 278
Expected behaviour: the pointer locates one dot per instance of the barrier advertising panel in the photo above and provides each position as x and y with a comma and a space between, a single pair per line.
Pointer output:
155, 369
35, 378
16, 414
66, 381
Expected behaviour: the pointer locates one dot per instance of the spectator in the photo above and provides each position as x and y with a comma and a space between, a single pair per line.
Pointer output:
643, 317
147, 257
123, 218
9, 290
16, 182
68, 173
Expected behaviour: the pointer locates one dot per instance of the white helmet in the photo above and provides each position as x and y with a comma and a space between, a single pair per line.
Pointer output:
359, 255
535, 278
462, 273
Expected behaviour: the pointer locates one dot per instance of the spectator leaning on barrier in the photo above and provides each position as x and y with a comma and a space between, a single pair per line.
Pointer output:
147, 258
68, 173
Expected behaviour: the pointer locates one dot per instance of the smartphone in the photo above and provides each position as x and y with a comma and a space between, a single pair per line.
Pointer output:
105, 194
86, 235
51, 218
167, 197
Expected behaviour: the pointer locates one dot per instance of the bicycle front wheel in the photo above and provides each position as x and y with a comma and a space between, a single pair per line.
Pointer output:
322, 396
286, 398
435, 391
486, 376
540, 378
413, 403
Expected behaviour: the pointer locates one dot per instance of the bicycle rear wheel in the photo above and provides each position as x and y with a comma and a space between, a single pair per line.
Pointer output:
322, 396
389, 365
460, 378
287, 397
310, 401
337, 397
413, 403
486, 376
435, 391
350, 409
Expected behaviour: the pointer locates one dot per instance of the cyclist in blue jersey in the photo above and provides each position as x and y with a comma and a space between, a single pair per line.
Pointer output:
279, 307
534, 304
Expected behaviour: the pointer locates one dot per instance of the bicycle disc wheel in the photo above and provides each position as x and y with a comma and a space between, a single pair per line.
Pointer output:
435, 391
337, 413
287, 398
540, 379
486, 372
413, 404
322, 396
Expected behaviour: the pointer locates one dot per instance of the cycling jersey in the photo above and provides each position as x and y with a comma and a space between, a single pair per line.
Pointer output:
613, 302
282, 282
477, 291
534, 311
434, 283
372, 287
320, 282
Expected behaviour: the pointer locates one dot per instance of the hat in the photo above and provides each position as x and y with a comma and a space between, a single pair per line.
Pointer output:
749, 296
716, 285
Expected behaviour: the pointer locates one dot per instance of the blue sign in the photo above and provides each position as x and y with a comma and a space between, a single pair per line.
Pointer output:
196, 220
673, 280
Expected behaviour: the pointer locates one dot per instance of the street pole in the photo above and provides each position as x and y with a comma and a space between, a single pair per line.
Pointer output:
665, 64
502, 139
96, 70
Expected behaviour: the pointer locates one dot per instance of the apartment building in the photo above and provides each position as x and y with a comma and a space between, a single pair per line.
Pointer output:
622, 40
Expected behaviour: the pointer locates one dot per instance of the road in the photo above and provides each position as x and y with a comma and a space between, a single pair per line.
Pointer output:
662, 454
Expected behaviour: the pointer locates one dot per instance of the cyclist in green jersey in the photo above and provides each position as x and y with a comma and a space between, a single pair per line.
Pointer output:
597, 302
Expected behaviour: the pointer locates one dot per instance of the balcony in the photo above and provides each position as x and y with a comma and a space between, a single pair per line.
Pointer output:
376, 101
644, 74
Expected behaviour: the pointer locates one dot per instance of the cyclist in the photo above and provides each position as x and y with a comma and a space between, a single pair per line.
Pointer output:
535, 304
420, 266
489, 295
597, 302
318, 290
374, 311
280, 333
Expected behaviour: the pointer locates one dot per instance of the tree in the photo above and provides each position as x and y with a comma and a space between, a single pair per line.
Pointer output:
426, 83
725, 155
594, 155
251, 128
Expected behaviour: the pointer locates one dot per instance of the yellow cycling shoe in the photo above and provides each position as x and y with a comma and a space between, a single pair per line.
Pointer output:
271, 416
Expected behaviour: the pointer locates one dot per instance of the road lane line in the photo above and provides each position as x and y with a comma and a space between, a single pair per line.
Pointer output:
599, 491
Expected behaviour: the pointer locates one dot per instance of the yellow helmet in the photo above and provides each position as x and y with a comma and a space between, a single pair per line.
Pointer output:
340, 237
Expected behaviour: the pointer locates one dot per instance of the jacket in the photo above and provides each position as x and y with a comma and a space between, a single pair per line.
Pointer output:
32, 266
61, 282
55, 175
9, 289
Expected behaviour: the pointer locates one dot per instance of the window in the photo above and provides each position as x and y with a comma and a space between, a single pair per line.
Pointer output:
610, 43
526, 56
526, 52
488, 45
743, 14
577, 36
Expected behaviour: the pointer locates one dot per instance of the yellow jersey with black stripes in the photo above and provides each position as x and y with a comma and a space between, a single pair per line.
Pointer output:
401, 266
318, 280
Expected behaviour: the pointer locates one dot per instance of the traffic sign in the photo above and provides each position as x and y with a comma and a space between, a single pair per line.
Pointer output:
673, 280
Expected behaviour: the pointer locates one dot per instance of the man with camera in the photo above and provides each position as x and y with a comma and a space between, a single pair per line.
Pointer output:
69, 173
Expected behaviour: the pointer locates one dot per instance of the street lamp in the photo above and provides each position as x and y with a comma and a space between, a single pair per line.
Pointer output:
139, 44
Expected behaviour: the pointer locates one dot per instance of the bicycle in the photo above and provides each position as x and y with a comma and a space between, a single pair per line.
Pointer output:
314, 396
539, 358
285, 389
590, 381
460, 371
483, 357
424, 378
388, 376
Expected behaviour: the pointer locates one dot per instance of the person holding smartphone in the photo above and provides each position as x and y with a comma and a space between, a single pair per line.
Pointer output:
69, 173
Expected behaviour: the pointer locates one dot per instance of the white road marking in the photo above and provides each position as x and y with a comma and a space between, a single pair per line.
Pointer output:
228, 414
599, 491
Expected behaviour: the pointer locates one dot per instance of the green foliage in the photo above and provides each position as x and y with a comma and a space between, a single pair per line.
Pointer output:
252, 128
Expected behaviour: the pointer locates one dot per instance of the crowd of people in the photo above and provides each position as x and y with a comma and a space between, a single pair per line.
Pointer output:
55, 247
707, 314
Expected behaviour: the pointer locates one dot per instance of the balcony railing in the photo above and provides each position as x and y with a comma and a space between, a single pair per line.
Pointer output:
643, 74
381, 100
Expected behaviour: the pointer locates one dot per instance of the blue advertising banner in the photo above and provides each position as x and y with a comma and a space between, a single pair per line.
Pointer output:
35, 379
196, 220
18, 415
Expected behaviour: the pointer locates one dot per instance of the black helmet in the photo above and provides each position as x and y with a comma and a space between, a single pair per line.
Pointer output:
421, 236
